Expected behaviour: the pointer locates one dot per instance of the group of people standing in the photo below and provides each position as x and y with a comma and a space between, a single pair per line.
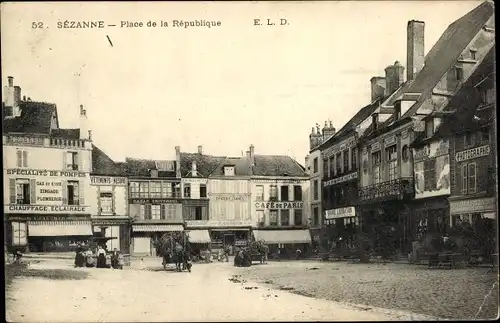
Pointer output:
101, 258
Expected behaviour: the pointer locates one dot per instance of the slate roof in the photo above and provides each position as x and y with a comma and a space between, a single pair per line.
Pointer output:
268, 165
443, 54
66, 133
35, 118
241, 166
205, 164
102, 164
142, 168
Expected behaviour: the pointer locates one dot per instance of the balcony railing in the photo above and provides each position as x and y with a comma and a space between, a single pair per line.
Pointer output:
391, 190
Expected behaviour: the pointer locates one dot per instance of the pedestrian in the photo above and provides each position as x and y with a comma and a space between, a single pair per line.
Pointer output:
298, 253
101, 257
226, 253
114, 258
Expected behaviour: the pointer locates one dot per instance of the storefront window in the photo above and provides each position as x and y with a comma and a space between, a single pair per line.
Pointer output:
260, 217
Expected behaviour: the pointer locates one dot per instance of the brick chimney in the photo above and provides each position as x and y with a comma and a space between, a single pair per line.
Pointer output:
328, 130
178, 161
415, 56
394, 76
378, 85
12, 94
200, 149
84, 127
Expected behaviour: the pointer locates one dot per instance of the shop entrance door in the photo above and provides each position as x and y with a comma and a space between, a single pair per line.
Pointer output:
229, 240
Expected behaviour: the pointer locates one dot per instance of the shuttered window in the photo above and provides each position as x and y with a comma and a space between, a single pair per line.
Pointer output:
21, 158
464, 179
22, 191
471, 174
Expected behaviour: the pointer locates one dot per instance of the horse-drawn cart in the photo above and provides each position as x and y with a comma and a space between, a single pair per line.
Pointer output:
174, 248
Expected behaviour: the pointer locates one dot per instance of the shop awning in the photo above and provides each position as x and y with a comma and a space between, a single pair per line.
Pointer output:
59, 228
199, 236
283, 236
157, 228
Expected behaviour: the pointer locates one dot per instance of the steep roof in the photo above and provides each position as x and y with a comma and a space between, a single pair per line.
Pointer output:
35, 118
102, 164
143, 167
268, 165
205, 164
66, 133
440, 58
241, 166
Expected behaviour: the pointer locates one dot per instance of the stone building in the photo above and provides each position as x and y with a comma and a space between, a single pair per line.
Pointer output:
46, 175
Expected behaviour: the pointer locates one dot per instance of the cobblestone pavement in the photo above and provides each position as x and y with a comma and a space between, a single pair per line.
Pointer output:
146, 293
444, 293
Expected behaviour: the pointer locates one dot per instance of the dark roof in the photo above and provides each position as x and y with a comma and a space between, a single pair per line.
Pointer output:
267, 165
66, 133
102, 164
205, 164
143, 167
35, 118
241, 166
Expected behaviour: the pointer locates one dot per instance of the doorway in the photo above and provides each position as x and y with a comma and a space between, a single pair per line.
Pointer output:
229, 240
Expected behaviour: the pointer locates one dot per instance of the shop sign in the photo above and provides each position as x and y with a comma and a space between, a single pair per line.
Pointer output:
473, 206
44, 208
154, 201
25, 141
435, 149
376, 147
390, 141
49, 192
231, 198
279, 205
343, 212
30, 217
345, 178
279, 181
108, 180
472, 153
44, 172
215, 223
194, 180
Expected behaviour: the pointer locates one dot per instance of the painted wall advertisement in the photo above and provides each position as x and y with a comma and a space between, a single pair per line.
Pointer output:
432, 169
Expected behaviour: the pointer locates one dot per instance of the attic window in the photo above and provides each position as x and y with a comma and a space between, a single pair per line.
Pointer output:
459, 72
375, 121
397, 110
473, 54
228, 170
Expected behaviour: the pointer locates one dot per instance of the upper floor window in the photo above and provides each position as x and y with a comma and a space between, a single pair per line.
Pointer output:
273, 192
297, 217
259, 193
155, 190
187, 190
315, 165
22, 191
346, 160
316, 190
71, 160
144, 189
338, 163
459, 73
315, 220
473, 53
469, 180
354, 159
73, 193
284, 193
469, 139
485, 135
203, 190
488, 96
273, 217
156, 212
106, 202
332, 166
392, 160
229, 171
325, 167
22, 158
376, 161
297, 193
429, 127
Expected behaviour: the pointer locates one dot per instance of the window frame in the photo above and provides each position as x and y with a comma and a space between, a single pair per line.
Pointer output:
273, 212
21, 182
315, 189
203, 188
186, 190
471, 189
297, 188
109, 195
259, 192
282, 213
76, 192
354, 159
315, 165
284, 193
345, 161
296, 213
273, 192
459, 73
469, 139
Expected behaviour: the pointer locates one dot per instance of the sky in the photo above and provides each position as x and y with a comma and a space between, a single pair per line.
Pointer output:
225, 87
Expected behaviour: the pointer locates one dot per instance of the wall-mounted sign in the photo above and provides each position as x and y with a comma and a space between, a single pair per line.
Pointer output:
231, 198
49, 191
341, 179
432, 177
279, 205
50, 217
28, 141
154, 201
472, 153
194, 180
279, 181
215, 223
434, 149
44, 208
389, 141
108, 180
404, 134
473, 206
375, 147
44, 172
340, 213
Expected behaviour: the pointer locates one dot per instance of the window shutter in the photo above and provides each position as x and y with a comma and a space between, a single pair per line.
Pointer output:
19, 158
25, 158
464, 179
64, 192
99, 207
79, 161
81, 192
472, 178
12, 188
64, 161
113, 200
33, 191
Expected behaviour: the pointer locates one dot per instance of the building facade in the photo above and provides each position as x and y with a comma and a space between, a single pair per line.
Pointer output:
155, 202
108, 199
46, 176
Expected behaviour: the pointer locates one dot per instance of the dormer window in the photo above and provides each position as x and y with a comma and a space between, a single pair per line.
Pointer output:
473, 54
228, 170
397, 110
459, 73
375, 121
429, 127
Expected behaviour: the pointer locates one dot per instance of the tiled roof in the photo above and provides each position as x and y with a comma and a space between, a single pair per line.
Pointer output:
35, 118
266, 165
143, 167
66, 133
241, 166
102, 164
205, 164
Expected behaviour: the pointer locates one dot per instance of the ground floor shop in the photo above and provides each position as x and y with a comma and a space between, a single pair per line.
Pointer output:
285, 243
47, 233
145, 237
118, 229
342, 227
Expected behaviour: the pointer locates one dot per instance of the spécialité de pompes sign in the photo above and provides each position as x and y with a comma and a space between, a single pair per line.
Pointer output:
44, 172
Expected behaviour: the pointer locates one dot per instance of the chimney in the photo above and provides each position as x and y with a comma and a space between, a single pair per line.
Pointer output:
200, 150
84, 128
12, 94
178, 161
10, 81
193, 169
378, 87
394, 76
252, 154
328, 131
415, 56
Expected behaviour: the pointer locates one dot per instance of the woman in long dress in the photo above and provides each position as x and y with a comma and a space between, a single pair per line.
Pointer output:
101, 257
